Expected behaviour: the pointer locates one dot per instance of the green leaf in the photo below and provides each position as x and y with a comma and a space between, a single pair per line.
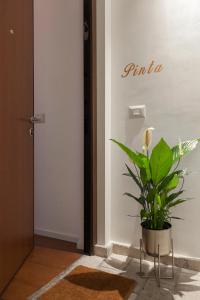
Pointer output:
146, 166
173, 183
139, 200
151, 195
134, 177
186, 147
163, 197
177, 202
143, 214
134, 157
161, 161
158, 200
166, 181
143, 176
172, 197
176, 218
126, 174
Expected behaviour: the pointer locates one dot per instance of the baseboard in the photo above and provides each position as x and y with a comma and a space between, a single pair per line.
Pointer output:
103, 251
58, 235
127, 250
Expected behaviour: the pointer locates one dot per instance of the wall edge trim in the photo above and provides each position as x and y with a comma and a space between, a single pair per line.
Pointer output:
58, 235
181, 261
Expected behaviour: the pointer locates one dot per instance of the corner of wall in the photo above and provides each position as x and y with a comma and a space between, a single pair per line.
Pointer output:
103, 120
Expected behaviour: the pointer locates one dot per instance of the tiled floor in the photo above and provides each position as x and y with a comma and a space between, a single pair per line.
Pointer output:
185, 286
45, 264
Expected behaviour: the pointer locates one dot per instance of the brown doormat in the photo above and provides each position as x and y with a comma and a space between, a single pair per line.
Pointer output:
90, 284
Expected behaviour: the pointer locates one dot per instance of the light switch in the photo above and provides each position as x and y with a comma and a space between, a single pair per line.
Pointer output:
137, 111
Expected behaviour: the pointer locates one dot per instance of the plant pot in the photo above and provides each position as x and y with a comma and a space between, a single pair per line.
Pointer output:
154, 239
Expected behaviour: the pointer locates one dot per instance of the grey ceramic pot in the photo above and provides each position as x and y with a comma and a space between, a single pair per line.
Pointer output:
154, 238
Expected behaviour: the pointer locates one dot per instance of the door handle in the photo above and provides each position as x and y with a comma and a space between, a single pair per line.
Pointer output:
37, 119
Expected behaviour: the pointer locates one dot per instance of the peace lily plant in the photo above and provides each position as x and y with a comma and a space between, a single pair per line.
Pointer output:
159, 179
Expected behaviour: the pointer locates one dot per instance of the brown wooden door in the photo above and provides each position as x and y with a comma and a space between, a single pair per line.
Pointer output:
16, 144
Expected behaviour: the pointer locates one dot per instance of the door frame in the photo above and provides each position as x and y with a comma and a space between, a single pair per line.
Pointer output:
90, 128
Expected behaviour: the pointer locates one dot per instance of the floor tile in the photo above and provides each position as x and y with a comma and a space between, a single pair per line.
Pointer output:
188, 285
43, 265
132, 271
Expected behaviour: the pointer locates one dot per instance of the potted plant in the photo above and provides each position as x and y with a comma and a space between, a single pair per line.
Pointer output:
160, 183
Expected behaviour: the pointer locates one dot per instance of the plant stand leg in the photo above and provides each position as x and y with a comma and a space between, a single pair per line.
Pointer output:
172, 243
141, 250
159, 265
156, 262
154, 265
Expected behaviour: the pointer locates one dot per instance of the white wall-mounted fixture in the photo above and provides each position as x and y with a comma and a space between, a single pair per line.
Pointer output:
137, 111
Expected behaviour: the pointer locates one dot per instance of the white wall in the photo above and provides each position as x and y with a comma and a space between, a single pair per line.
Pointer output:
59, 142
167, 31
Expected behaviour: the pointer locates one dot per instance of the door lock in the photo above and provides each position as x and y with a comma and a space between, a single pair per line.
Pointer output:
31, 131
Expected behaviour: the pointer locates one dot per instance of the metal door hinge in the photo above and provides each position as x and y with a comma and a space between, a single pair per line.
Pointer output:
86, 31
